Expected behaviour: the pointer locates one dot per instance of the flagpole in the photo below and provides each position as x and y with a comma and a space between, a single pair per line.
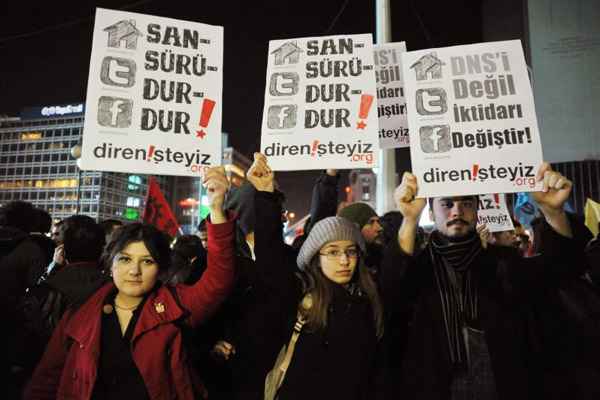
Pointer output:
386, 171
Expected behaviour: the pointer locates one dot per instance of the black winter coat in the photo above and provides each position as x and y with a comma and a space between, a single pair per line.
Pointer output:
506, 283
338, 363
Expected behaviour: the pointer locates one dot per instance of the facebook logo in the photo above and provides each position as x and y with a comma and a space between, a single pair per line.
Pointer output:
114, 112
435, 138
282, 117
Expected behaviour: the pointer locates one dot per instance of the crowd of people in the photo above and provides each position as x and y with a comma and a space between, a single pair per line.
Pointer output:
360, 306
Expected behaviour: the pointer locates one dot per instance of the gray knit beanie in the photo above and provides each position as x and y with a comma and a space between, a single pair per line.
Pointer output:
328, 230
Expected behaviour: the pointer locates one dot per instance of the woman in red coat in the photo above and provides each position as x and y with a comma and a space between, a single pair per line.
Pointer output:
126, 340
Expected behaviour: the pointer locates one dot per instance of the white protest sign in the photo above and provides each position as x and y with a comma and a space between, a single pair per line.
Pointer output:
493, 213
472, 120
320, 103
154, 95
391, 106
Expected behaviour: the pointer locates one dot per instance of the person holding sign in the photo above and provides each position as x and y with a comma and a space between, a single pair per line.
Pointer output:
126, 340
326, 294
469, 336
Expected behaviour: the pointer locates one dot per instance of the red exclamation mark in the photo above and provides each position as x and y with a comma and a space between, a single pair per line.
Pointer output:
497, 200
150, 153
314, 148
366, 100
475, 171
207, 108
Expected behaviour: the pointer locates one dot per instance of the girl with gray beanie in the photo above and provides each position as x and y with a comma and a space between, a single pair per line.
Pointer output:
328, 288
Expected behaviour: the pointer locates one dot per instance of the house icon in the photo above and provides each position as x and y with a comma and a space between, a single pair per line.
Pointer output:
428, 64
123, 31
288, 51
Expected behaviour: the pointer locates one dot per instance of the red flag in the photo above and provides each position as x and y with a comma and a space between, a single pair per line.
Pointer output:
157, 211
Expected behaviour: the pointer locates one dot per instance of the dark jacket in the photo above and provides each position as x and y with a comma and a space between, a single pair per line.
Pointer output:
45, 304
69, 367
506, 285
335, 364
21, 262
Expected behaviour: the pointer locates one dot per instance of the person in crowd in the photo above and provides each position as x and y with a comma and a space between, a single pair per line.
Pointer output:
110, 226
468, 337
334, 356
564, 335
46, 302
40, 231
188, 260
367, 221
505, 238
247, 346
525, 242
126, 340
202, 234
56, 233
21, 262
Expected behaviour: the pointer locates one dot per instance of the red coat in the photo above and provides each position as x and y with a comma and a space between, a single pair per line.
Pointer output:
68, 369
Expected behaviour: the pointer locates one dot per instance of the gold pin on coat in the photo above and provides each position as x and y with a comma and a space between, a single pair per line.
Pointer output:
159, 307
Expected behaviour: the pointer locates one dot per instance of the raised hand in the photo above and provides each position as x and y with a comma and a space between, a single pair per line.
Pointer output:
217, 185
260, 175
555, 192
404, 196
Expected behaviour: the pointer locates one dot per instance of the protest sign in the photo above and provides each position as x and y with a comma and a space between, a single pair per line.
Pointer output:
472, 120
320, 108
493, 213
391, 106
154, 95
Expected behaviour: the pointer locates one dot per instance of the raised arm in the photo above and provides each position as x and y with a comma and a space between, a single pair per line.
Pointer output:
411, 209
399, 271
211, 290
324, 198
275, 265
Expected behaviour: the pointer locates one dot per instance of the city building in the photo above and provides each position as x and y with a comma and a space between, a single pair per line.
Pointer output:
38, 163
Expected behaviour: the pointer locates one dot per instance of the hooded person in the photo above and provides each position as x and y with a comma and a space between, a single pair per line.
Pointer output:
469, 305
330, 286
368, 223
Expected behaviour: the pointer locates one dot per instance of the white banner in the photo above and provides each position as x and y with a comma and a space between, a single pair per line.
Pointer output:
472, 120
493, 213
154, 95
391, 106
320, 103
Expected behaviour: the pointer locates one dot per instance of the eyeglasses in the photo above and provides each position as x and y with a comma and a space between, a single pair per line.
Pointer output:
334, 254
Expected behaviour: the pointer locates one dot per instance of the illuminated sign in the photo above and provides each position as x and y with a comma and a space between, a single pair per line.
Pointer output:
62, 110
131, 214
52, 111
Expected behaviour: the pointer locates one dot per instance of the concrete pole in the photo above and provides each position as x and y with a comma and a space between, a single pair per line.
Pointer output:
386, 171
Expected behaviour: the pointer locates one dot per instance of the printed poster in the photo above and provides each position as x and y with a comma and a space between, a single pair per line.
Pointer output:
493, 212
472, 120
391, 106
320, 106
154, 97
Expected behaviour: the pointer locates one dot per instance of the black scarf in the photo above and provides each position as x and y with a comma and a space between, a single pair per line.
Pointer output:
458, 293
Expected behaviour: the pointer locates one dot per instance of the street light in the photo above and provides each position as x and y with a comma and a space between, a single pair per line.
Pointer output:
76, 154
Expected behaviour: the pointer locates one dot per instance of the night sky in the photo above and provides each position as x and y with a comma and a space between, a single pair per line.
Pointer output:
45, 49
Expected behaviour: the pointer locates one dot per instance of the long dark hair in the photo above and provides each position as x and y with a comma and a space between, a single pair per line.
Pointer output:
155, 241
321, 293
